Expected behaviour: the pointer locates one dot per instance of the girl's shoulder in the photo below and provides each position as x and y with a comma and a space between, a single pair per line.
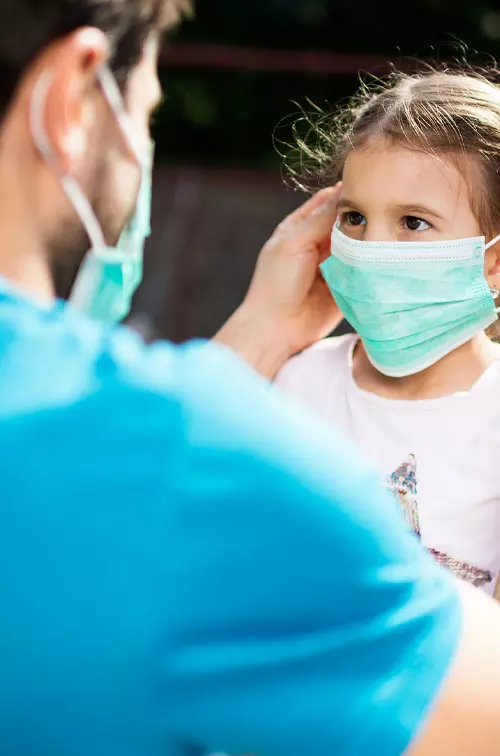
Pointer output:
310, 371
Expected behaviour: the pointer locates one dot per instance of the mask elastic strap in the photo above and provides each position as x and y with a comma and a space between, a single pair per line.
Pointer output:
70, 186
115, 101
492, 242
494, 292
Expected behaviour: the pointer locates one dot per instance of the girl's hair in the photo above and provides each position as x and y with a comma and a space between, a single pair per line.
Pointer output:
453, 114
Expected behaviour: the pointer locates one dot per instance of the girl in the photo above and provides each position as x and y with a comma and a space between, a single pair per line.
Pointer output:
415, 269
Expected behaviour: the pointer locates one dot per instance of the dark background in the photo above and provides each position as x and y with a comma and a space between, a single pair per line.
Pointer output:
230, 77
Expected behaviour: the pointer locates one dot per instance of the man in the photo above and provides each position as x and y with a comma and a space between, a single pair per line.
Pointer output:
187, 563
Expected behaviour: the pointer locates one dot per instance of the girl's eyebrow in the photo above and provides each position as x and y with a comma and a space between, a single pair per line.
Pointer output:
409, 209
345, 202
416, 209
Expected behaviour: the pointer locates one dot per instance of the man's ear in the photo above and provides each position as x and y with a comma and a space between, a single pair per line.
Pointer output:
71, 96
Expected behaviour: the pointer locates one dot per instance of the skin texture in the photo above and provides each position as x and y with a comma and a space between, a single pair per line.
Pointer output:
391, 193
85, 145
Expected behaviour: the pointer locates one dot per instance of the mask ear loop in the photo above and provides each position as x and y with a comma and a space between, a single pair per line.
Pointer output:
115, 101
494, 291
70, 186
492, 242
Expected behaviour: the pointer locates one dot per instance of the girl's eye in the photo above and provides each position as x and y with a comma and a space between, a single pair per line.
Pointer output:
411, 223
354, 219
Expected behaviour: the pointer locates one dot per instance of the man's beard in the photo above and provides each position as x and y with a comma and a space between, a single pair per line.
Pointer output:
67, 257
69, 248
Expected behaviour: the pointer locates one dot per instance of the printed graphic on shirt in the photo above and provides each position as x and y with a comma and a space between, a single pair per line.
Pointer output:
403, 483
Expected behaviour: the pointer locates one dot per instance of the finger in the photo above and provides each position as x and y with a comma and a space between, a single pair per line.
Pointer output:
316, 201
320, 198
317, 228
324, 249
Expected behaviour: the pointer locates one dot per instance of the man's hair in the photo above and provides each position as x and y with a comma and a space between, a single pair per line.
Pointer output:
28, 26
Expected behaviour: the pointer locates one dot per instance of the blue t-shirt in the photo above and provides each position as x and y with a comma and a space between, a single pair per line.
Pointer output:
190, 565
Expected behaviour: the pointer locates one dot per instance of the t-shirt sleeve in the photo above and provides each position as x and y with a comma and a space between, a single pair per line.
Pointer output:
308, 621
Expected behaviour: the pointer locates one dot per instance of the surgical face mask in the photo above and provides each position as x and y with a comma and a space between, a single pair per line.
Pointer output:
108, 276
411, 303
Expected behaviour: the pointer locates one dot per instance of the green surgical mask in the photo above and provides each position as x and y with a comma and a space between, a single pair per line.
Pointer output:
411, 303
108, 276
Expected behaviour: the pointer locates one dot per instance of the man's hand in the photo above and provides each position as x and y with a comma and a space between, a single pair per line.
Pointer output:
288, 305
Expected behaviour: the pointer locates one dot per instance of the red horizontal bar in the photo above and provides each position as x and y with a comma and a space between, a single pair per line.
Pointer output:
255, 59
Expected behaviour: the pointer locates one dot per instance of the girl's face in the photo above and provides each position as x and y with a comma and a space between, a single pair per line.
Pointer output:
391, 193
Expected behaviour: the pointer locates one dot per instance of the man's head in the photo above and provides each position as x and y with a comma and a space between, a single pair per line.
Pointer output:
64, 43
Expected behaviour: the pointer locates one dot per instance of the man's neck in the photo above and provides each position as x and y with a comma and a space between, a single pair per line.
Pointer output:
457, 371
27, 273
23, 259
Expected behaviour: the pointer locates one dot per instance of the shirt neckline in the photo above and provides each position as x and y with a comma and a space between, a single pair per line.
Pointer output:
482, 383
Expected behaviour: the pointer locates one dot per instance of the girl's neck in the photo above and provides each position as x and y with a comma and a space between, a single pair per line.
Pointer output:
458, 371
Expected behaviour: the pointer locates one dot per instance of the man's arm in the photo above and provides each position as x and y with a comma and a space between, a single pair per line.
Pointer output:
465, 720
288, 305
497, 590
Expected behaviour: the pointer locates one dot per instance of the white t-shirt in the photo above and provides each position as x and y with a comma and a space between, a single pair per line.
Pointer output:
441, 457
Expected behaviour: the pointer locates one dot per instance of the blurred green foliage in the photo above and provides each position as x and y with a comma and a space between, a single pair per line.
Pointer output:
227, 117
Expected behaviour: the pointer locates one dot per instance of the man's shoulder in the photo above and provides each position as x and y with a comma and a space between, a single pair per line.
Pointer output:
64, 377
91, 398
200, 412
57, 357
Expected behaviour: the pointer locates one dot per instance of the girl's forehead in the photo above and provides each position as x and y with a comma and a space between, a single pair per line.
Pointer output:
382, 173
